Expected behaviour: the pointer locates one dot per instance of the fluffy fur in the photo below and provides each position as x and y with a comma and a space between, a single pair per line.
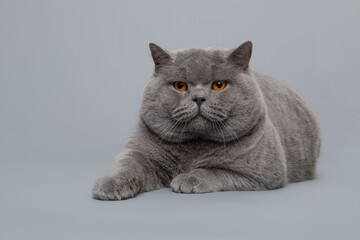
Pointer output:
255, 134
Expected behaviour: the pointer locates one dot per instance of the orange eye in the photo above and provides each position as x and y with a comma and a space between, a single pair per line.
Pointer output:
218, 85
180, 86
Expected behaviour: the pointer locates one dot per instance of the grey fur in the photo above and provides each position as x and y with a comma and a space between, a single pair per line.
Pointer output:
255, 134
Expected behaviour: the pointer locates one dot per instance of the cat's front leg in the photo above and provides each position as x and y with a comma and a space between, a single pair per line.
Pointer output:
204, 180
130, 174
115, 188
195, 181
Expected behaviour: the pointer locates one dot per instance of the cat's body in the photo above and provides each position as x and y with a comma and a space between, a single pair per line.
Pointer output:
252, 134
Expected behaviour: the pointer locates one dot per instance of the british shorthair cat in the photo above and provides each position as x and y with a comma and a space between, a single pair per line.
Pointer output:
209, 123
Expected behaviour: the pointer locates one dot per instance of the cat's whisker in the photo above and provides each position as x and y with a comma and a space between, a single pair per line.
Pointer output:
231, 134
165, 131
177, 129
182, 131
219, 129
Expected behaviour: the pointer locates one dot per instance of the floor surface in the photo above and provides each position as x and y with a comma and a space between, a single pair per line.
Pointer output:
53, 201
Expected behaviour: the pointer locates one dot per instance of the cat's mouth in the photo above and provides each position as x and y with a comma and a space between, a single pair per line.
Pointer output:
198, 124
199, 120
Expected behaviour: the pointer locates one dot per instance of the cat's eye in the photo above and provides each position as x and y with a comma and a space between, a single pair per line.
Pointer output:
180, 86
218, 85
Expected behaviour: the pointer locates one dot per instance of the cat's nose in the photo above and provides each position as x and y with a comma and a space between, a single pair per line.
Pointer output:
199, 100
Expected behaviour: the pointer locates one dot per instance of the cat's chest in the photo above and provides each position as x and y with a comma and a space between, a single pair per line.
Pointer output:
194, 152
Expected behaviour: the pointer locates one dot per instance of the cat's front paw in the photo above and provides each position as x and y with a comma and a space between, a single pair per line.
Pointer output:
111, 188
190, 183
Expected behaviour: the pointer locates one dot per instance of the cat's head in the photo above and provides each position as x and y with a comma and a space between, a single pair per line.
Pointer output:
201, 93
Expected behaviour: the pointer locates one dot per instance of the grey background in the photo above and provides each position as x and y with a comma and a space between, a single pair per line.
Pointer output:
71, 79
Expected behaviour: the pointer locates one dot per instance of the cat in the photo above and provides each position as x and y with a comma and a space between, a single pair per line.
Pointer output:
209, 123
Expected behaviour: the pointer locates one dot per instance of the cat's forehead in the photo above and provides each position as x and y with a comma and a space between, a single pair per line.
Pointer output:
198, 63
199, 56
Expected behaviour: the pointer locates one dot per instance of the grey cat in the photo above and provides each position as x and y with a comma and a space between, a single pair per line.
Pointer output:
208, 123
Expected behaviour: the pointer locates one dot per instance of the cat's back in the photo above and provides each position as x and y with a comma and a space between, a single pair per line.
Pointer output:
296, 124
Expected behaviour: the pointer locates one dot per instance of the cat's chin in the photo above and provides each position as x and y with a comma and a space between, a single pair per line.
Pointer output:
199, 124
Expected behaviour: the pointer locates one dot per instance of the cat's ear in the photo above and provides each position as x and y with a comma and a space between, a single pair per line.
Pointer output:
241, 55
159, 55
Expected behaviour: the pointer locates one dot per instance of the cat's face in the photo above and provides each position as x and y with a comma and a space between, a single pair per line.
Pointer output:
201, 93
